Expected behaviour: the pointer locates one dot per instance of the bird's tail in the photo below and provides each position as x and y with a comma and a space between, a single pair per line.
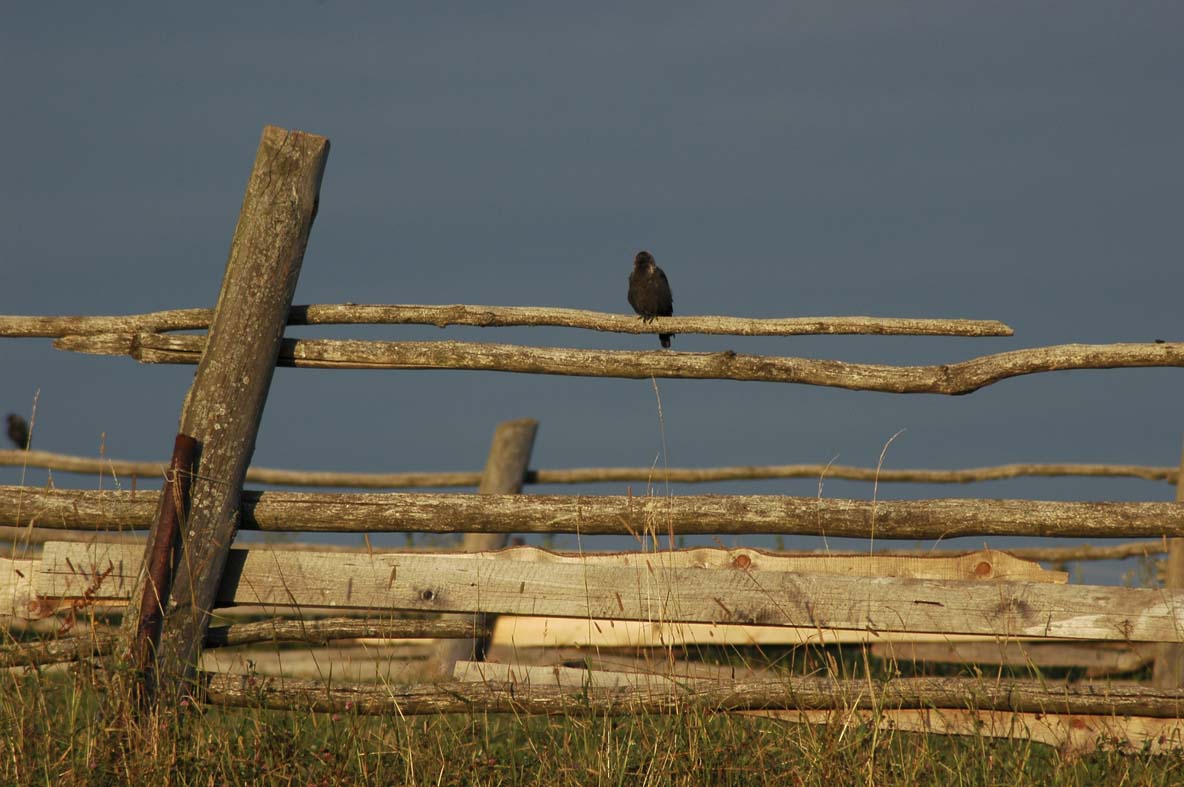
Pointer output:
665, 338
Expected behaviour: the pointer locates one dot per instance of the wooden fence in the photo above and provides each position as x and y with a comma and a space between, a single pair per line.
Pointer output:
173, 587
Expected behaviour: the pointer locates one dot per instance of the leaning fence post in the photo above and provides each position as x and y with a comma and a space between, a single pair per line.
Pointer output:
1169, 656
225, 403
504, 474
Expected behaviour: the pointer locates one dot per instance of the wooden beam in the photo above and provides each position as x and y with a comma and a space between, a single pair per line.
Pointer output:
1169, 661
406, 662
117, 560
614, 514
950, 379
526, 631
506, 316
225, 403
504, 474
505, 471
1098, 658
1056, 555
648, 590
1071, 734
519, 633
1148, 549
782, 692
312, 632
17, 597
595, 475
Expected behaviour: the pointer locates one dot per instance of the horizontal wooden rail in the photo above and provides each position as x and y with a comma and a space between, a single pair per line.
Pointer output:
39, 535
1091, 552
1072, 735
674, 696
755, 590
314, 632
613, 514
506, 316
1098, 658
589, 475
951, 379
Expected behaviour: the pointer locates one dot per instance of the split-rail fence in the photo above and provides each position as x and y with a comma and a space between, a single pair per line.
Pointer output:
172, 586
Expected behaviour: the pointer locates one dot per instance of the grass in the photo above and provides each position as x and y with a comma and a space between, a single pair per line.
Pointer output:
52, 732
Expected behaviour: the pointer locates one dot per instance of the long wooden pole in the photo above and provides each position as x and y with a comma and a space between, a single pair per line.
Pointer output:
1147, 549
951, 379
592, 475
505, 316
1168, 672
667, 696
614, 514
225, 403
504, 474
312, 632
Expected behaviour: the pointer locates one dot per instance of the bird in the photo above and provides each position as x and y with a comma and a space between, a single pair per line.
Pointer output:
18, 431
649, 292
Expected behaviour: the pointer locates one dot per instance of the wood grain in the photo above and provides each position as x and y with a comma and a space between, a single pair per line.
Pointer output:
958, 378
509, 695
506, 316
614, 514
113, 468
648, 591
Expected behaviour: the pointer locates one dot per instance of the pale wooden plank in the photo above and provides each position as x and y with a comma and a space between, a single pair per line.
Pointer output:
1070, 733
17, 599
353, 663
118, 558
485, 583
979, 564
538, 632
539, 675
1099, 658
647, 661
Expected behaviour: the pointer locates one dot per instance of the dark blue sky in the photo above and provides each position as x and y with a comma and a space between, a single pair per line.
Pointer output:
1011, 161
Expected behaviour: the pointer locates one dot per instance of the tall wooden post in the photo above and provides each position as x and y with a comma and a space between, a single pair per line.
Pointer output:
225, 403
504, 474
1169, 657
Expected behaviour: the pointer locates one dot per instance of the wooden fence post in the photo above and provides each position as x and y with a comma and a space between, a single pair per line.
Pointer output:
1169, 657
225, 403
504, 474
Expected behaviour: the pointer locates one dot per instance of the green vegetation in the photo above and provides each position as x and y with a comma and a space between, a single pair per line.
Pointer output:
52, 732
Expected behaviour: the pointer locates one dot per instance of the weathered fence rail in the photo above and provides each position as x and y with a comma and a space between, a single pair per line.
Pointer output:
312, 632
962, 377
592, 475
508, 316
673, 696
27, 536
423, 512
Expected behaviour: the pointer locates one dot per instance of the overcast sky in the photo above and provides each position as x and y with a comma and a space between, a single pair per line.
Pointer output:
1011, 161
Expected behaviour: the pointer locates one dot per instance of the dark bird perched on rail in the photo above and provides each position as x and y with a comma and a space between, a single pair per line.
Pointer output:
649, 292
18, 430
